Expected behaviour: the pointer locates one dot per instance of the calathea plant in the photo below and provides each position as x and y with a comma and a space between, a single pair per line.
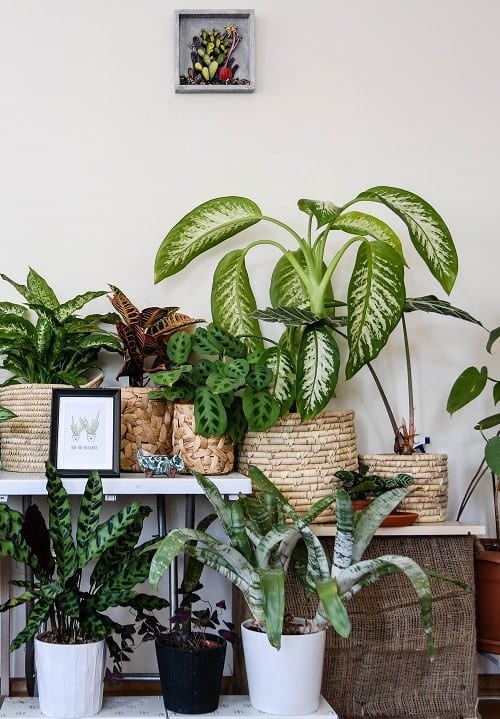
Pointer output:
57, 346
302, 277
58, 555
360, 484
144, 335
262, 547
231, 388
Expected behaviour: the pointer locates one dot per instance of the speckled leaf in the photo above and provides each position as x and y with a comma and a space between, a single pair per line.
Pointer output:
360, 223
318, 364
323, 211
209, 413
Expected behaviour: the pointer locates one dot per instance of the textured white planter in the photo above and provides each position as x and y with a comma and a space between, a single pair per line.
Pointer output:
287, 681
70, 678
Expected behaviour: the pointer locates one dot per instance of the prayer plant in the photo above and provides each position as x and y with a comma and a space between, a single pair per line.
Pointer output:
58, 556
302, 278
261, 547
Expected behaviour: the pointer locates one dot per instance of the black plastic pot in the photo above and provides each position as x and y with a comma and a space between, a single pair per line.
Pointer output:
191, 678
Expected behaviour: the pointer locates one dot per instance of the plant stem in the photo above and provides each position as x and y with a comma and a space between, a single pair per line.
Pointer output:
496, 494
392, 419
411, 406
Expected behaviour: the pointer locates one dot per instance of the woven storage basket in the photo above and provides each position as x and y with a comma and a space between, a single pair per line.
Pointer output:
208, 455
301, 459
145, 424
25, 440
430, 476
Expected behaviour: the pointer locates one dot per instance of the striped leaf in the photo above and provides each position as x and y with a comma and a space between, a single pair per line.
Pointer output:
20, 553
261, 409
110, 532
60, 526
370, 519
430, 303
39, 291
12, 308
201, 229
233, 300
359, 223
209, 413
272, 583
428, 231
76, 303
15, 327
324, 212
88, 516
318, 363
38, 615
333, 607
375, 302
11, 522
286, 287
28, 596
282, 387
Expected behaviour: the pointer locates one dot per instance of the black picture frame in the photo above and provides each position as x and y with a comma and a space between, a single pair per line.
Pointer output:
85, 431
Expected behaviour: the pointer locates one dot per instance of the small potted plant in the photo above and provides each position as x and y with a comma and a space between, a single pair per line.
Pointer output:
44, 342
144, 334
220, 390
471, 383
261, 548
70, 653
192, 649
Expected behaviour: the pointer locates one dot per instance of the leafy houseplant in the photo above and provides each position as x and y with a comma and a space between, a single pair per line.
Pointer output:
144, 335
262, 547
58, 346
231, 388
302, 278
361, 485
58, 558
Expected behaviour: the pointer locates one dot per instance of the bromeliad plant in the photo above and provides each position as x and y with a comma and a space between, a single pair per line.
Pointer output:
144, 335
302, 278
57, 346
231, 388
58, 556
262, 547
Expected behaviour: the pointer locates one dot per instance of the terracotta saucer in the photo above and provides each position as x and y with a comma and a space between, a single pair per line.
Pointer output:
400, 519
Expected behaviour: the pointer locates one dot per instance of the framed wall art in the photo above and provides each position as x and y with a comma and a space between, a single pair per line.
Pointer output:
85, 432
215, 51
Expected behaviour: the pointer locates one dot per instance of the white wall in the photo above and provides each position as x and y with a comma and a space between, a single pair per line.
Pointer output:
99, 157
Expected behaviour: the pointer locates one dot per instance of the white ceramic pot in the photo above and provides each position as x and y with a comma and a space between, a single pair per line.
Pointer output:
288, 680
70, 678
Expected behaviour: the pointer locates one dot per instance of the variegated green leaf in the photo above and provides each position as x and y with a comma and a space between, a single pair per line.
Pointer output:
324, 212
98, 340
272, 582
428, 231
44, 333
20, 553
22, 289
318, 365
344, 538
28, 596
109, 533
430, 303
282, 386
60, 526
261, 409
13, 327
37, 617
11, 522
333, 607
370, 519
40, 291
229, 344
12, 308
222, 508
375, 302
290, 316
76, 303
359, 223
233, 301
286, 288
6, 414
209, 413
204, 227
88, 516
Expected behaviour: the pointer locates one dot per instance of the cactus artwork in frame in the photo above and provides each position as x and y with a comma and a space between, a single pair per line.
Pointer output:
215, 51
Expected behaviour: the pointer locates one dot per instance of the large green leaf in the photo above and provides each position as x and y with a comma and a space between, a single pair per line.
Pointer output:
179, 348
6, 414
233, 301
272, 582
37, 617
318, 364
493, 420
209, 413
492, 454
286, 287
110, 532
375, 302
40, 291
282, 386
204, 227
12, 308
428, 231
60, 525
370, 519
66, 309
430, 303
468, 385
260, 408
493, 336
88, 516
333, 607
229, 344
14, 327
359, 223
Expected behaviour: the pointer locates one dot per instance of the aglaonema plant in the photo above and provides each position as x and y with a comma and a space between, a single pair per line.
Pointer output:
261, 547
303, 276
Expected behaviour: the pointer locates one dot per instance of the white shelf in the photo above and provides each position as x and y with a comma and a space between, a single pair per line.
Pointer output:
419, 529
231, 706
26, 483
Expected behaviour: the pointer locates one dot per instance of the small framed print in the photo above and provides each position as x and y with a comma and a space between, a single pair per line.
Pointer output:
85, 432
215, 51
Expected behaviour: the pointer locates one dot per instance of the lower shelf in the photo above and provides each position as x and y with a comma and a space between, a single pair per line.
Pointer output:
142, 707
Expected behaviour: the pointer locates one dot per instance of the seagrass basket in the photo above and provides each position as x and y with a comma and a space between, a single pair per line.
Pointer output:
25, 439
208, 455
430, 476
145, 424
301, 459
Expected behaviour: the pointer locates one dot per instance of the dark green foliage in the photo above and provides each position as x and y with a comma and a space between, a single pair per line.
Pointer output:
56, 590
360, 485
57, 346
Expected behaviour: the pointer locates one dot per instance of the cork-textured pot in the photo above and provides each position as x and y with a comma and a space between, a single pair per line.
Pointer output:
208, 455
145, 424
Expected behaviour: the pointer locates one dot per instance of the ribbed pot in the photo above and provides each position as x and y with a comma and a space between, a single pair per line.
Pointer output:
208, 455
25, 439
145, 424
70, 678
430, 477
487, 578
301, 458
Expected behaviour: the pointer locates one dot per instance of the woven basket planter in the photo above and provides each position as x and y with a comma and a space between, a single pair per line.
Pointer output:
145, 424
25, 440
301, 459
430, 476
208, 455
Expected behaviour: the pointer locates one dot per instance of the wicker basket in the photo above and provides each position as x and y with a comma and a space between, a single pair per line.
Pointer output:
25, 440
430, 475
208, 455
301, 458
145, 424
